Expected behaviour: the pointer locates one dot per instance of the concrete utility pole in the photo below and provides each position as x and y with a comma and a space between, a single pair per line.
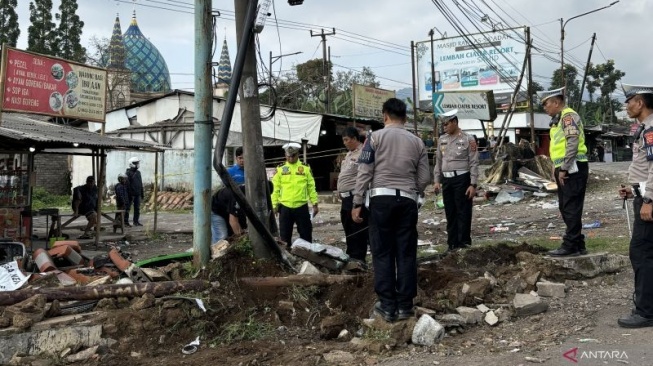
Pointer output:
250, 112
587, 69
531, 111
203, 128
325, 64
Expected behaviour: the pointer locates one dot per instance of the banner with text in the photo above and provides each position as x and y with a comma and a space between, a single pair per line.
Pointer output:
368, 101
491, 61
34, 83
470, 104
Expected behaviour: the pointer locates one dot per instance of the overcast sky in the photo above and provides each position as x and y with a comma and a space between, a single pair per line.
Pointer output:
622, 32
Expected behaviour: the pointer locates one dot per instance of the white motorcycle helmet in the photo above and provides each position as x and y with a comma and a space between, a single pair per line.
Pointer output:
122, 176
133, 162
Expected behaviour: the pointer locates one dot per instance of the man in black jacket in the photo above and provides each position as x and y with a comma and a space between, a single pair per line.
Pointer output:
135, 191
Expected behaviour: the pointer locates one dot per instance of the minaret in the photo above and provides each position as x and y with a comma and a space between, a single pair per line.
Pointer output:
118, 75
224, 72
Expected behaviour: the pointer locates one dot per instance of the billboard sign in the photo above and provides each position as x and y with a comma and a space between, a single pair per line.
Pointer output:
470, 104
490, 62
368, 101
33, 83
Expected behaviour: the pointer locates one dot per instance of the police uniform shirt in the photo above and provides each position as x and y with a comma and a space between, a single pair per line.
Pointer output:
570, 129
641, 169
392, 158
294, 185
349, 170
457, 152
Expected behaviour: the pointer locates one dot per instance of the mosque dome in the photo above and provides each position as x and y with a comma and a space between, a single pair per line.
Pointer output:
149, 71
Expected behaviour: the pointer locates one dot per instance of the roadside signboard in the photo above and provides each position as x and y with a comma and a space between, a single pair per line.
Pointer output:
484, 61
33, 83
368, 101
470, 104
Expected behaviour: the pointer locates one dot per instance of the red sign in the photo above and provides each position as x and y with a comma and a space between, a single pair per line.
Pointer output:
34, 83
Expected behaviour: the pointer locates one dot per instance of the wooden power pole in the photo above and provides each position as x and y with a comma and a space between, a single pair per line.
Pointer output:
325, 63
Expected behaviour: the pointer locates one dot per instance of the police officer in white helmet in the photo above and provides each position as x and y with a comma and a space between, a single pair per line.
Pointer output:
135, 191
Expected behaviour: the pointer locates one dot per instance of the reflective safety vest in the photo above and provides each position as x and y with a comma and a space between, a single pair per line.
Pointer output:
569, 119
293, 186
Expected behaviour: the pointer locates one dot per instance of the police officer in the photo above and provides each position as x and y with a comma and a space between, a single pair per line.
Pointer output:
456, 173
639, 105
569, 155
357, 234
394, 166
294, 187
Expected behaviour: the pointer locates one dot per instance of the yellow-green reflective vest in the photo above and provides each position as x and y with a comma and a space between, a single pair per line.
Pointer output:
559, 142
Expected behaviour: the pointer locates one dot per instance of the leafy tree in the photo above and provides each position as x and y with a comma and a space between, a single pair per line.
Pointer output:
535, 87
41, 34
312, 71
9, 30
342, 85
67, 42
603, 78
572, 91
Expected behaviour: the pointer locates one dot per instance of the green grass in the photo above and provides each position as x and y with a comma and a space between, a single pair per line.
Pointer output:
42, 199
377, 335
249, 330
594, 244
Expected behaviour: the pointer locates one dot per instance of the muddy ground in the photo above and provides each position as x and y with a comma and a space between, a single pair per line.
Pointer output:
282, 326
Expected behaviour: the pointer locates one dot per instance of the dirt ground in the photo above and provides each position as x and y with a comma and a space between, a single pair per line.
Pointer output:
286, 325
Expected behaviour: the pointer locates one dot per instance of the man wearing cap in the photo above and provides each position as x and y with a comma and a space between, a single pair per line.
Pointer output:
394, 169
357, 235
456, 173
135, 190
294, 187
569, 155
639, 105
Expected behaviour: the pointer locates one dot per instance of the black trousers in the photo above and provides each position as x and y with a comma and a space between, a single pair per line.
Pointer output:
458, 210
357, 235
641, 258
571, 198
393, 242
291, 216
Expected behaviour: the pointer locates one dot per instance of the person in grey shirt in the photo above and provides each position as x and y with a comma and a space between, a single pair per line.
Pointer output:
394, 170
456, 172
357, 235
639, 105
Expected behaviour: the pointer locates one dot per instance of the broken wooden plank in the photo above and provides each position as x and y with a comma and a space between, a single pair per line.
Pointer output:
297, 280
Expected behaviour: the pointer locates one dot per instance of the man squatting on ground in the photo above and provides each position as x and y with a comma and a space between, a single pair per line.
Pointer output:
395, 167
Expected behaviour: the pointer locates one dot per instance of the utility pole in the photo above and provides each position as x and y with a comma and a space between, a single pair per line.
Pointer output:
203, 134
250, 111
325, 66
436, 129
328, 89
415, 102
587, 69
530, 85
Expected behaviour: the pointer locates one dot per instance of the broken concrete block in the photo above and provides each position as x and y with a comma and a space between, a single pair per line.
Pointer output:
503, 314
531, 277
551, 289
344, 336
451, 320
427, 331
309, 269
491, 278
477, 287
471, 315
83, 355
491, 318
484, 309
527, 304
515, 285
400, 331
419, 311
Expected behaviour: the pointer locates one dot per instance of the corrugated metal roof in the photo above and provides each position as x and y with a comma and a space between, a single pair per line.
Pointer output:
19, 130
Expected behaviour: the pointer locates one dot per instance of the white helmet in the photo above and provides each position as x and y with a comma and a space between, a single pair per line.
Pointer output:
133, 162
122, 176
